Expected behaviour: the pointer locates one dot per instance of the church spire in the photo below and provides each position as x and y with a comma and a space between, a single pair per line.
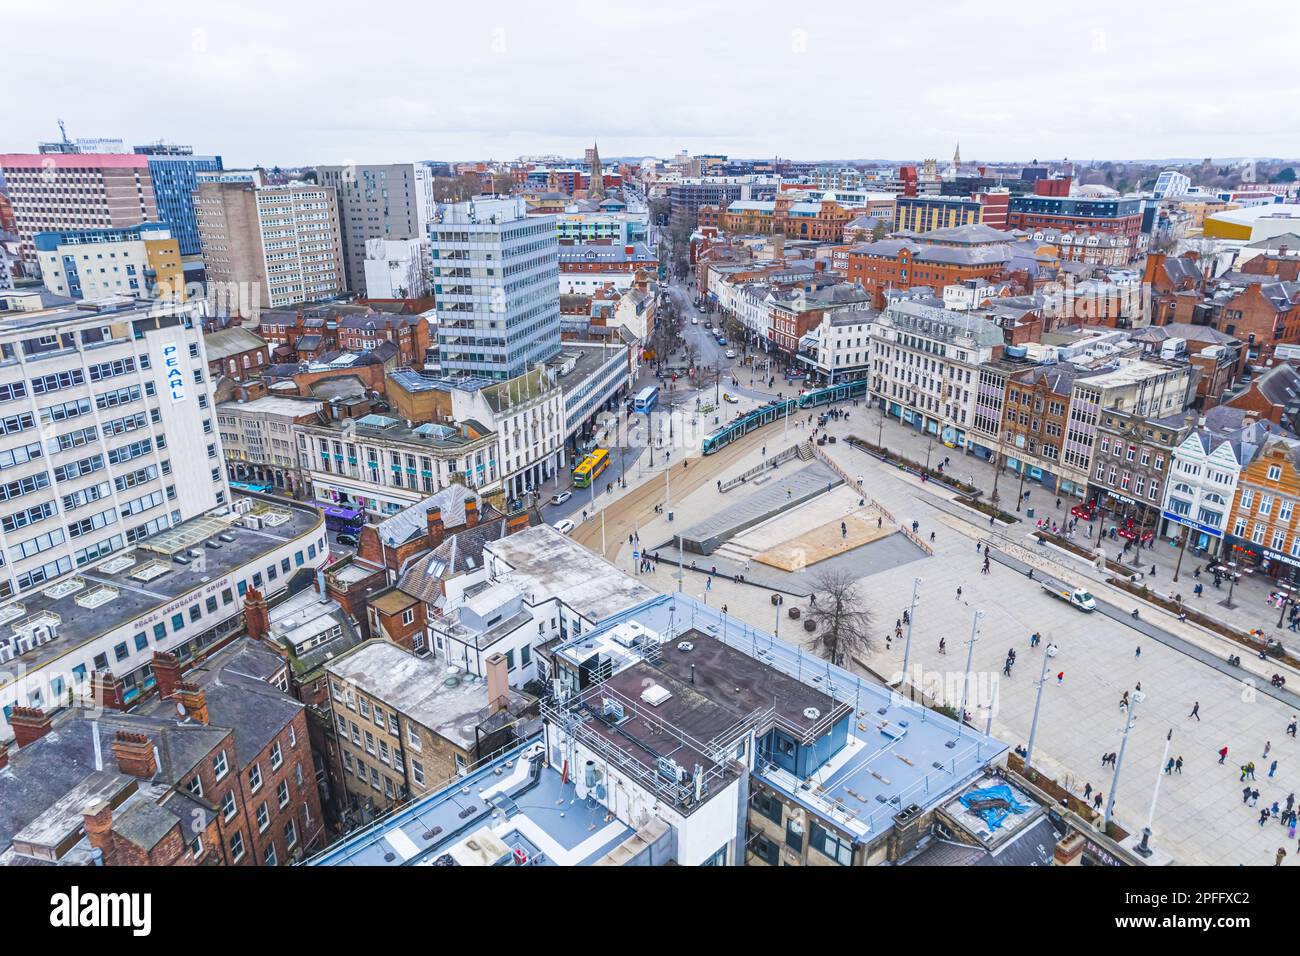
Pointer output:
596, 187
956, 157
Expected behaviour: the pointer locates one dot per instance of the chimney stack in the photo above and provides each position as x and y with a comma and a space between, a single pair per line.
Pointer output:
256, 616
98, 820
498, 683
167, 673
517, 522
135, 755
107, 690
195, 702
471, 513
437, 531
29, 725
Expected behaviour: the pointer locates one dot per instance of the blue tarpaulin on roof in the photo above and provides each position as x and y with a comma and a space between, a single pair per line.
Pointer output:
993, 804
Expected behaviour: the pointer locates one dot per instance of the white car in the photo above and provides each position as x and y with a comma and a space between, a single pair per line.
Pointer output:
565, 526
731, 353
561, 497
694, 321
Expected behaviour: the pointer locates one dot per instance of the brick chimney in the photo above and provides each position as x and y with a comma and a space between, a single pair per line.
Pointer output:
195, 702
256, 617
498, 683
471, 513
135, 755
29, 724
167, 673
437, 531
1069, 852
107, 690
517, 522
98, 819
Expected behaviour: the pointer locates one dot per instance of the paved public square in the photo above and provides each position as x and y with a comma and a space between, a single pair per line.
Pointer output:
1199, 816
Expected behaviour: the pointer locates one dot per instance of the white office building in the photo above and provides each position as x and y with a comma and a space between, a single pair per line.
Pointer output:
108, 434
496, 280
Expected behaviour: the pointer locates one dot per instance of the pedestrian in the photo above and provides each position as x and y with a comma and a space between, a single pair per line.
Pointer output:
1060, 678
943, 645
959, 594
1281, 855
1290, 728
1196, 710
1250, 769
932, 537
1169, 766
1223, 755
1178, 765
1244, 770
1254, 798
1272, 768
1268, 745
1096, 801
1245, 795
1087, 791
1137, 655
1153, 572
1263, 817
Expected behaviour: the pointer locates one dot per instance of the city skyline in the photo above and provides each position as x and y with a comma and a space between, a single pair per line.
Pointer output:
270, 87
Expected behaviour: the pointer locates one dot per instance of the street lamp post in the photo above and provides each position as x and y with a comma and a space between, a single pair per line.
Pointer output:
965, 684
911, 616
1187, 533
1144, 847
1138, 696
1038, 702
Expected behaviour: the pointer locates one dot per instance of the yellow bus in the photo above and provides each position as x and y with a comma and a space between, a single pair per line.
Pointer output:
590, 468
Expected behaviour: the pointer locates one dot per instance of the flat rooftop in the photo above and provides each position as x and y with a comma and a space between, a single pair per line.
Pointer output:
96, 600
417, 687
898, 753
547, 562
523, 802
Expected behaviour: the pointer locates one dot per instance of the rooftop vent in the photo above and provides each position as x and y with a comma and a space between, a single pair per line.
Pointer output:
812, 713
654, 695
685, 646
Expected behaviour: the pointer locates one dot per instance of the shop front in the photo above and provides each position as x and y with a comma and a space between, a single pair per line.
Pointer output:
1281, 568
1202, 538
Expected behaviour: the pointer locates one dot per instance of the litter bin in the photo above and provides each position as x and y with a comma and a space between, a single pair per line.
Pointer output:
1029, 512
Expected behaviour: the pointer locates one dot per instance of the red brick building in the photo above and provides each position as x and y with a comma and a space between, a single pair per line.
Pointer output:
900, 264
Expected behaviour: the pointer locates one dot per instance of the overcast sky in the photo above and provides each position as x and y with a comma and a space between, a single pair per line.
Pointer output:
279, 82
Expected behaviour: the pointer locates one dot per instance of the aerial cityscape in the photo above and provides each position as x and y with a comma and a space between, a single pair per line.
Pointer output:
602, 491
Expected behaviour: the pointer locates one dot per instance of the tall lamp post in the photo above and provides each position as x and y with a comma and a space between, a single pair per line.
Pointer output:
1038, 702
1144, 847
911, 616
1138, 697
965, 684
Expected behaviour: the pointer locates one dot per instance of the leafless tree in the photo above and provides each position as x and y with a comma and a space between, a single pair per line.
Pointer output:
840, 614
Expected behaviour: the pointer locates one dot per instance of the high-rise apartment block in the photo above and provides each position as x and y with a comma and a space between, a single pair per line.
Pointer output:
378, 202
51, 192
268, 246
175, 175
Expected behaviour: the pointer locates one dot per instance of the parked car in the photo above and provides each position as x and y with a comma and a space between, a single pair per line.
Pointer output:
345, 539
561, 497
694, 320
731, 353
564, 526
729, 398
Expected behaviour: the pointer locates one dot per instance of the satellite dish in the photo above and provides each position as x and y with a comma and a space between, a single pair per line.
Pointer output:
180, 708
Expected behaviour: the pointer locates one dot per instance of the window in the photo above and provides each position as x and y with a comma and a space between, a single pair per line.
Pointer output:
412, 737
408, 616
255, 777
237, 847
290, 834
263, 818
379, 717
228, 805
276, 758
417, 771
831, 845
219, 765
195, 786
1274, 472
269, 855
767, 805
